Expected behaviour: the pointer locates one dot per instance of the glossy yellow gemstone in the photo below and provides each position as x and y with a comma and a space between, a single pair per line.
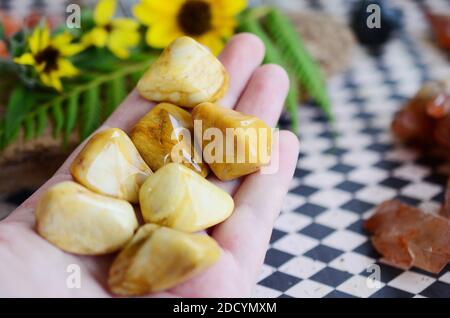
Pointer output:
179, 198
234, 144
185, 74
164, 135
159, 258
80, 221
110, 164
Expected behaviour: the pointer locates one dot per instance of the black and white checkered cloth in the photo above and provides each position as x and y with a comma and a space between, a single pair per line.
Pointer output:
318, 247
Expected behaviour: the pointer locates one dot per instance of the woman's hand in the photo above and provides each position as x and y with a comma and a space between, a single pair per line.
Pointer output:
32, 267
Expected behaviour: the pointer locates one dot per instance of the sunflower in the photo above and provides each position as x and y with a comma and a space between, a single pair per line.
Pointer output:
49, 55
118, 35
207, 21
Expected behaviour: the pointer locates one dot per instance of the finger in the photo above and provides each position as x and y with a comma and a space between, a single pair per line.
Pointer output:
263, 97
257, 204
265, 94
242, 55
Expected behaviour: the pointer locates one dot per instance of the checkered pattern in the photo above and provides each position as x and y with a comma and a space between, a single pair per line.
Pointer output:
318, 247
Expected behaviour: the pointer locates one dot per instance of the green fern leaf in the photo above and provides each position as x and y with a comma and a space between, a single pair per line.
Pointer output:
294, 51
136, 76
19, 103
116, 91
41, 122
90, 112
58, 118
274, 56
29, 128
87, 95
71, 116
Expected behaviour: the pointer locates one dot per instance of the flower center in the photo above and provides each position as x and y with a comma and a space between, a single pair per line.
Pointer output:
49, 56
108, 28
195, 17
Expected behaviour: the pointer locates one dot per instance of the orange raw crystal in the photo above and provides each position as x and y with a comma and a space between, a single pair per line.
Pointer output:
407, 236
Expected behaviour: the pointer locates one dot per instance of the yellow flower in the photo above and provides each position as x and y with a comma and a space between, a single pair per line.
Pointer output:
48, 56
118, 35
207, 21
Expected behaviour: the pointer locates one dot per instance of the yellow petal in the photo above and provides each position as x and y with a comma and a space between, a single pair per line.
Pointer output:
104, 11
33, 40
66, 68
125, 24
55, 82
224, 25
150, 14
119, 51
45, 78
120, 42
44, 38
72, 49
227, 7
161, 35
62, 43
172, 6
25, 59
51, 80
40, 67
213, 42
61, 39
97, 36
124, 38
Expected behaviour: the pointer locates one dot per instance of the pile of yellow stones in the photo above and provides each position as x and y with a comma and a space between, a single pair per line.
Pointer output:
113, 174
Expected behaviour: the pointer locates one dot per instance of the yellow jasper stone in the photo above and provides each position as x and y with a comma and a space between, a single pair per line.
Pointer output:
110, 164
164, 135
159, 258
80, 221
234, 144
185, 74
176, 197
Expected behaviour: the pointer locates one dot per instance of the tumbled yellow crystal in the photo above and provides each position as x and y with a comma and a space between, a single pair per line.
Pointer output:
179, 198
110, 164
80, 221
185, 74
234, 144
158, 258
165, 134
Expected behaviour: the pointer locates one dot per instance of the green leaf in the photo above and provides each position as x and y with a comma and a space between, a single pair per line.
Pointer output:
71, 116
97, 59
2, 32
29, 128
136, 76
90, 112
17, 43
41, 122
58, 118
116, 92
303, 65
19, 103
85, 108
273, 55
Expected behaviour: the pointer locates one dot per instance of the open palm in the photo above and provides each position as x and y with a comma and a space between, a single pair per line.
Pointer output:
30, 266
